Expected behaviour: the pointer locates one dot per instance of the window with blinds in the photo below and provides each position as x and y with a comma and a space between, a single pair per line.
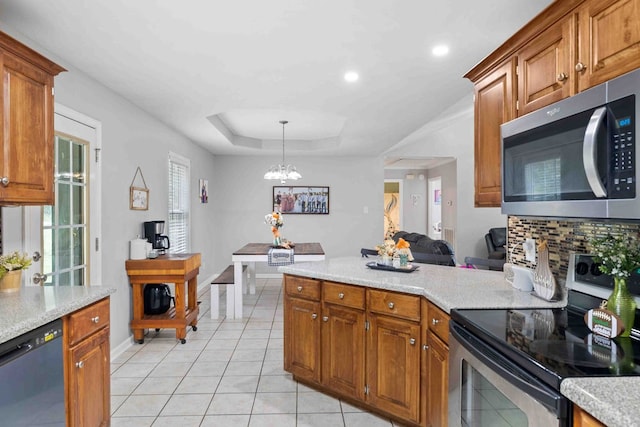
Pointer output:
179, 171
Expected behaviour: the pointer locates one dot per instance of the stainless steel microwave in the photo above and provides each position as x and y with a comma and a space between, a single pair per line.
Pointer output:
575, 158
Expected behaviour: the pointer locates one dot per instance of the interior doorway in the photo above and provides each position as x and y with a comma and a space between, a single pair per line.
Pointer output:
434, 215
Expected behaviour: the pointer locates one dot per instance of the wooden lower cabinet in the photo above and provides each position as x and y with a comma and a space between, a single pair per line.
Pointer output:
87, 366
302, 338
374, 354
343, 336
393, 366
583, 419
437, 375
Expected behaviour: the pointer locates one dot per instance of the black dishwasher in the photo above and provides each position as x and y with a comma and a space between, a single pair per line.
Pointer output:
32, 378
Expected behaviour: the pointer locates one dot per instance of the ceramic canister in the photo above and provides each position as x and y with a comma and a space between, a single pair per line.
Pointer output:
138, 249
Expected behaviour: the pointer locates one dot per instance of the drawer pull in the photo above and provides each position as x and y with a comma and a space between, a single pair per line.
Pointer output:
80, 364
325, 318
341, 295
562, 77
299, 288
435, 321
425, 347
314, 316
391, 305
412, 341
95, 319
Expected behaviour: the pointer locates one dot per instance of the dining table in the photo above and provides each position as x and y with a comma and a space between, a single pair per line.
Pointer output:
252, 253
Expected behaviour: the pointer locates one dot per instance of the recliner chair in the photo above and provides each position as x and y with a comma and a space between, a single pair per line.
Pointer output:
496, 240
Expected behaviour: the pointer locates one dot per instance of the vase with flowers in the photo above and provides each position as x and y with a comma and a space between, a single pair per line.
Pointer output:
276, 222
11, 266
391, 252
618, 257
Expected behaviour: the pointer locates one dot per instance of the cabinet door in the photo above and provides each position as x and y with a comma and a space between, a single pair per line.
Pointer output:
545, 71
609, 40
89, 381
584, 419
494, 105
302, 338
438, 381
343, 337
26, 158
393, 366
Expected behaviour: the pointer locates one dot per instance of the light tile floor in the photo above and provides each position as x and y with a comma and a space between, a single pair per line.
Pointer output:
228, 373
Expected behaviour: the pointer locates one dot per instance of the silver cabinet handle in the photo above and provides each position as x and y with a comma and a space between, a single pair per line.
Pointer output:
425, 347
95, 319
412, 341
299, 288
580, 67
325, 318
314, 316
4, 181
80, 364
435, 321
391, 305
39, 279
562, 77
341, 295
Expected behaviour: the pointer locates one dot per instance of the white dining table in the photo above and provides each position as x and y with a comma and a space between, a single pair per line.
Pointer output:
252, 253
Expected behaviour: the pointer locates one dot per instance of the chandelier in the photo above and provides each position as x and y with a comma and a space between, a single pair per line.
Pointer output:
283, 172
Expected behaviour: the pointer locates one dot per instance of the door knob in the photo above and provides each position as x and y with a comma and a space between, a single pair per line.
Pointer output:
4, 181
412, 341
435, 321
80, 364
562, 77
325, 318
580, 67
95, 319
36, 256
39, 279
314, 316
341, 295
391, 305
299, 288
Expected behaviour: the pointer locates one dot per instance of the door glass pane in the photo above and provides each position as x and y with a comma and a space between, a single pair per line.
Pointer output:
64, 248
63, 162
78, 161
78, 204
484, 405
77, 239
63, 204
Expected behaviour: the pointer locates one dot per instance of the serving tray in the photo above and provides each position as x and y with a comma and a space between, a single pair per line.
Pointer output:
376, 266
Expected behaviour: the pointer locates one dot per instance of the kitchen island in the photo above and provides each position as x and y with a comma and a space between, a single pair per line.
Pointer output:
610, 400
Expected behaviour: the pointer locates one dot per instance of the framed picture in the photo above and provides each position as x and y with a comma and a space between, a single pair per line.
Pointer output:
139, 198
204, 190
300, 200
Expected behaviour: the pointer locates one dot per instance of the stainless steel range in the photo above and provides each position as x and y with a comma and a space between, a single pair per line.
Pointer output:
506, 366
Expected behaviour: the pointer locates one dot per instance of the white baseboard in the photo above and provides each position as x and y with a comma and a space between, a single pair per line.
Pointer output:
122, 347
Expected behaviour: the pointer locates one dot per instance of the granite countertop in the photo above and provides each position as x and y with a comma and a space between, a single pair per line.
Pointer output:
446, 287
34, 306
613, 401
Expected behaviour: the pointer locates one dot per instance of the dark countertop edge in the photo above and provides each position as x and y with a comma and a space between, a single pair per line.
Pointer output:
26, 325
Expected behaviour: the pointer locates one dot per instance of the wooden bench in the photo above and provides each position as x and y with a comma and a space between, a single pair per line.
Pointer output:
227, 277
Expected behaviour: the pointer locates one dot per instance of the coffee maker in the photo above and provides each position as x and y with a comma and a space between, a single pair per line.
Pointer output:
153, 233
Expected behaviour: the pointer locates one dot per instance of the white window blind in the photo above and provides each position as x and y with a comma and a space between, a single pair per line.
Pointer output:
179, 203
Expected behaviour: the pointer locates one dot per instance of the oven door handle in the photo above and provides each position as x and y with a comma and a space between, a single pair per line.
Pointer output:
589, 146
508, 370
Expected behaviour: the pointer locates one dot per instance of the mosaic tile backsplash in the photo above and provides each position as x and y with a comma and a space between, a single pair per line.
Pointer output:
563, 237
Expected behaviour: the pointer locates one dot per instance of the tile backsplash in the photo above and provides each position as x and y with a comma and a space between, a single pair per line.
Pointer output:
563, 236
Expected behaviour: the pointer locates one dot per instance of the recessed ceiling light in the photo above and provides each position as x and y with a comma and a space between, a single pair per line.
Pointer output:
440, 50
351, 76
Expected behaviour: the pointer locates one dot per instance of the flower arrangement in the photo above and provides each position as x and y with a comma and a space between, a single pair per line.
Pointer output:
14, 261
392, 249
618, 256
274, 219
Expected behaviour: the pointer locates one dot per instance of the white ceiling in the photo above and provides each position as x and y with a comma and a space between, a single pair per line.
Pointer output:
224, 73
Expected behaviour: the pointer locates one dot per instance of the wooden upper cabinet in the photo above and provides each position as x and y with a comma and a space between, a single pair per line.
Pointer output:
26, 131
609, 40
545, 70
494, 105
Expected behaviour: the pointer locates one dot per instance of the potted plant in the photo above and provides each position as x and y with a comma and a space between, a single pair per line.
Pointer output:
11, 266
619, 256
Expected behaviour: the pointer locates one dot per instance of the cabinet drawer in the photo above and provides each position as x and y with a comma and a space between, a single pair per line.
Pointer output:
394, 304
347, 295
439, 322
88, 320
302, 287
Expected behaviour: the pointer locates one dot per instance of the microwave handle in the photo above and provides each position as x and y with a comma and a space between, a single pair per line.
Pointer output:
589, 152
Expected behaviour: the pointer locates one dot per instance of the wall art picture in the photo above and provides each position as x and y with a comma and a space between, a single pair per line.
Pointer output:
303, 200
204, 190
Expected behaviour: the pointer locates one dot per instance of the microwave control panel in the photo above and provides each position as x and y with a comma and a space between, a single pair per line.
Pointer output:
622, 181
